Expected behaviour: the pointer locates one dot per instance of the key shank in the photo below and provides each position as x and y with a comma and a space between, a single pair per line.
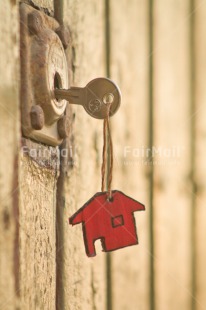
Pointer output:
74, 95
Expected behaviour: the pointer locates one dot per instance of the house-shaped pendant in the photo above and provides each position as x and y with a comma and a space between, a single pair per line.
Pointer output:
111, 221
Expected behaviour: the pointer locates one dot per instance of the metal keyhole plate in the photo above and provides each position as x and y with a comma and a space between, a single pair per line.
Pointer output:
43, 67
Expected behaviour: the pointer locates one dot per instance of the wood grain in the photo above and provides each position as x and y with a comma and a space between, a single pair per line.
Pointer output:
129, 68
37, 220
172, 163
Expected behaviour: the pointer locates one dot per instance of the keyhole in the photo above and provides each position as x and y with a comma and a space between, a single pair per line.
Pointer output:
57, 83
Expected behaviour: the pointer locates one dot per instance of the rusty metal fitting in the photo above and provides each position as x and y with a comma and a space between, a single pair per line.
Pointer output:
64, 35
35, 22
63, 127
37, 117
44, 68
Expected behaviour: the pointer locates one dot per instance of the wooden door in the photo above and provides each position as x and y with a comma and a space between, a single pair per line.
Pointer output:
155, 52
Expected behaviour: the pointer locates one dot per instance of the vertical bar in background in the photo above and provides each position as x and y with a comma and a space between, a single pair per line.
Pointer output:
129, 68
107, 37
60, 236
60, 198
58, 10
200, 148
172, 163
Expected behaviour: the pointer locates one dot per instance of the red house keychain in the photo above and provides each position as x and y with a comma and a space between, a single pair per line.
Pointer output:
108, 215
110, 221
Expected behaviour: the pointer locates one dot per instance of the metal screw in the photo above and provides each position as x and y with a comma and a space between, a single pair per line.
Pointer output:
108, 98
37, 117
35, 22
64, 35
63, 127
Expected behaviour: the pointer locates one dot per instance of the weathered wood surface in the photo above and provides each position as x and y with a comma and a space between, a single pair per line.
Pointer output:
9, 138
129, 68
37, 220
172, 127
82, 279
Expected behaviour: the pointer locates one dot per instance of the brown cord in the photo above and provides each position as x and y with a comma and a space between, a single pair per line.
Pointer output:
111, 159
107, 133
104, 154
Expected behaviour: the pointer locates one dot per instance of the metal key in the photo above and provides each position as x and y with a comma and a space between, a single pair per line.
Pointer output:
94, 97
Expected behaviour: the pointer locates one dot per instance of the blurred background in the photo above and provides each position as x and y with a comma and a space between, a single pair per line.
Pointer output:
157, 57
155, 51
